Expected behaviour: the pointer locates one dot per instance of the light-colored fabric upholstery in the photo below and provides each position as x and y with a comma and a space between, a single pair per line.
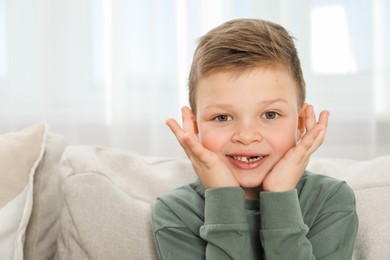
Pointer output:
95, 202
370, 181
20, 154
108, 196
42, 230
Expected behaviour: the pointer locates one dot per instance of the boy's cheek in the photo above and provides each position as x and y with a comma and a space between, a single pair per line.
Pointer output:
209, 140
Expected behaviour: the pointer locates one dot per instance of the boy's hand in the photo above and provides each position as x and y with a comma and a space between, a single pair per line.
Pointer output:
286, 173
210, 169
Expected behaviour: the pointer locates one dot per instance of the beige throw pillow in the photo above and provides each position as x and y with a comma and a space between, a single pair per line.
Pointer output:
108, 197
42, 229
20, 154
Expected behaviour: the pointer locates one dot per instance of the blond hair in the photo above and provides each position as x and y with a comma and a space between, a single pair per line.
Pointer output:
242, 44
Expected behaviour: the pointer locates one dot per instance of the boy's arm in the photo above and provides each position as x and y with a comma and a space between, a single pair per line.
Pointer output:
226, 228
285, 236
224, 234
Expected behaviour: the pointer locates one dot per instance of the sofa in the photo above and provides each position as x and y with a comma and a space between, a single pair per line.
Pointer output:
60, 201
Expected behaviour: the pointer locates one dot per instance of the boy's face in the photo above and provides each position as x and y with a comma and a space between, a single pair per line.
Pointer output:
250, 119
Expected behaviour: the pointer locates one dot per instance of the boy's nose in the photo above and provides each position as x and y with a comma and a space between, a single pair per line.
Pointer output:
247, 135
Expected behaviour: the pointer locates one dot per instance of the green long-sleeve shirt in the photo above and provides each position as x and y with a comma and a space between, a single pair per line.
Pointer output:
317, 220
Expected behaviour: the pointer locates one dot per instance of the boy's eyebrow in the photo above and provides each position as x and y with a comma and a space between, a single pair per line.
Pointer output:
220, 105
264, 102
276, 100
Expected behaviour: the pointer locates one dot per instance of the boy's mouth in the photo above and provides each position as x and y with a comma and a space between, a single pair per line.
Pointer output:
247, 159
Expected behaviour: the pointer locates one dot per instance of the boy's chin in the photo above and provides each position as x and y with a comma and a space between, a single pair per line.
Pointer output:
250, 182
252, 192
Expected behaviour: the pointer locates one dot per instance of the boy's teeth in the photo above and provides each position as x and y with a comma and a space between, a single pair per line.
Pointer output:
247, 159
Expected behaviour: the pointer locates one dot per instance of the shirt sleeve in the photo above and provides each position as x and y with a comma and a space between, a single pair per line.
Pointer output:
226, 228
173, 238
284, 235
223, 235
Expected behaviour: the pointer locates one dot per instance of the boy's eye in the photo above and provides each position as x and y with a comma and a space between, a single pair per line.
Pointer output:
270, 115
222, 118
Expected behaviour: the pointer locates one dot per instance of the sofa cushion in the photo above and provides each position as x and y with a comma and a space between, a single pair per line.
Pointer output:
20, 154
108, 196
370, 181
42, 229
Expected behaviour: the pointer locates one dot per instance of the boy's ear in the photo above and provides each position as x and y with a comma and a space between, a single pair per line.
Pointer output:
301, 122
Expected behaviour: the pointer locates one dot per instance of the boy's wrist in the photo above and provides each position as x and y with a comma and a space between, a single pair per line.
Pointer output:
224, 205
280, 210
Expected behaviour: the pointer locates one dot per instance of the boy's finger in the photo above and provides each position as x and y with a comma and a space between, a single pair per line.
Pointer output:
310, 118
177, 131
195, 148
199, 156
324, 118
173, 125
189, 121
312, 141
322, 129
314, 128
187, 140
314, 138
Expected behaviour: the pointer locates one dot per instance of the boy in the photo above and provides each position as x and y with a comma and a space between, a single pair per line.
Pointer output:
249, 136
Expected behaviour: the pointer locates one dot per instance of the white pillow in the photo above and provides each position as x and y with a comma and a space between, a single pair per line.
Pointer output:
20, 154
370, 181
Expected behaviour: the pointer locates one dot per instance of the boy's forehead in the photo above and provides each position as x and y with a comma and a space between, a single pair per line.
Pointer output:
274, 82
231, 74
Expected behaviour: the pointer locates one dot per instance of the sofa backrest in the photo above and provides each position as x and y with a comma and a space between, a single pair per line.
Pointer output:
109, 194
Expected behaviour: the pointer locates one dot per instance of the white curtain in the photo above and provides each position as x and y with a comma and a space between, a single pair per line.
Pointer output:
109, 72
